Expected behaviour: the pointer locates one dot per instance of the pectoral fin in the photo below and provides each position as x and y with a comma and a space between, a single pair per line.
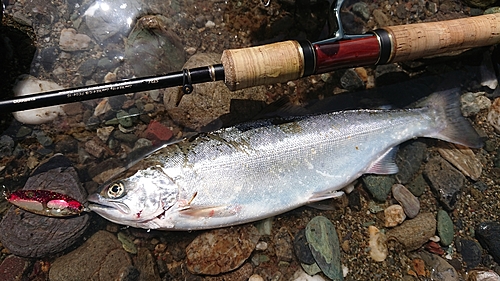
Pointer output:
210, 211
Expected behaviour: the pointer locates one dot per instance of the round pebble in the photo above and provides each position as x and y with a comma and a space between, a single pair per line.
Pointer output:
394, 215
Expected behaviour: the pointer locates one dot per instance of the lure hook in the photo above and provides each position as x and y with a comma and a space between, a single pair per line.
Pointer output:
266, 3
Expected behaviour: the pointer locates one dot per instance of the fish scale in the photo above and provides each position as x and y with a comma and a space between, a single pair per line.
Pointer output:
257, 170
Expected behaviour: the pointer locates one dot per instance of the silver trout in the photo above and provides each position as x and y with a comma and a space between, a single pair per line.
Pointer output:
257, 170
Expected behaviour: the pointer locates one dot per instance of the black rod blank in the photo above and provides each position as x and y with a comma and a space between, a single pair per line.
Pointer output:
193, 76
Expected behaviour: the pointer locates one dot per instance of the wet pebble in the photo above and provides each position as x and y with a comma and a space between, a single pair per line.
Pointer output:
88, 67
95, 148
377, 244
30, 235
394, 215
13, 268
445, 228
412, 234
408, 201
71, 41
445, 180
463, 158
221, 250
101, 257
283, 245
441, 269
325, 247
379, 186
124, 118
23, 132
471, 252
488, 234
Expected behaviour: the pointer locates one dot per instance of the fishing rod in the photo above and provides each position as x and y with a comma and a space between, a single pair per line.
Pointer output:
290, 60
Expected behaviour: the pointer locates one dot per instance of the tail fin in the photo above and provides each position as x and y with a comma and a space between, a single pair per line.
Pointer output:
458, 129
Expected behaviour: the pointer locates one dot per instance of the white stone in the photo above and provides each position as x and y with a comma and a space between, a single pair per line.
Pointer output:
300, 275
70, 41
28, 85
377, 243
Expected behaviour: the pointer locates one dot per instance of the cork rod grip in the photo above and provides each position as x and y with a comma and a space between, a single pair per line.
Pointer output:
262, 65
432, 38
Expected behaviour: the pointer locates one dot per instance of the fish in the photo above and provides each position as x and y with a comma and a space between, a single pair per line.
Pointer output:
45, 202
260, 169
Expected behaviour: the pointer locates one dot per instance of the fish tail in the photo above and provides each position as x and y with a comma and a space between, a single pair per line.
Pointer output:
457, 128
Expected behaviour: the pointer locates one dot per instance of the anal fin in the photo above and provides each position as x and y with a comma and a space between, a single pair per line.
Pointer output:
386, 164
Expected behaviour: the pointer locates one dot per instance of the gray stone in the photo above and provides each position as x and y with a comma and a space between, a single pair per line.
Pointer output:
408, 201
409, 159
488, 234
445, 181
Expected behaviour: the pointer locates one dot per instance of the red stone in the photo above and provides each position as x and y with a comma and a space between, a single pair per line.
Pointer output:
13, 268
434, 248
157, 132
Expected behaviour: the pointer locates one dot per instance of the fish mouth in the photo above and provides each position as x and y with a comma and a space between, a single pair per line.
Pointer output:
99, 204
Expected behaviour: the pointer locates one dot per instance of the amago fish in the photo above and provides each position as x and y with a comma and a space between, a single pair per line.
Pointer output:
257, 170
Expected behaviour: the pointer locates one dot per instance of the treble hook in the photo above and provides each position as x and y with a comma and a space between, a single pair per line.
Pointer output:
266, 3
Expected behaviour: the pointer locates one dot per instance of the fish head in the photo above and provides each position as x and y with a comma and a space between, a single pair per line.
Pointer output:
135, 200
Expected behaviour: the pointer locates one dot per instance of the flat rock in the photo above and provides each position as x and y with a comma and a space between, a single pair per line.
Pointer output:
221, 250
412, 234
445, 181
30, 235
463, 158
488, 234
325, 246
99, 258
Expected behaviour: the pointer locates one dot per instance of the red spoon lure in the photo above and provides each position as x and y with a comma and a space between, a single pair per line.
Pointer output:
45, 203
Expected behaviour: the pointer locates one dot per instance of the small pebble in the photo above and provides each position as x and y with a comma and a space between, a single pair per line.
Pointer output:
445, 228
127, 243
255, 277
394, 215
463, 158
441, 269
379, 186
481, 275
377, 243
408, 201
70, 41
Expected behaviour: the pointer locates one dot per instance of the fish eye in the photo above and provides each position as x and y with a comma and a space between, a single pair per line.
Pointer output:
116, 190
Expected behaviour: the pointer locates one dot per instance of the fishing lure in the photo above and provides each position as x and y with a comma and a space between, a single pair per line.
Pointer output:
45, 203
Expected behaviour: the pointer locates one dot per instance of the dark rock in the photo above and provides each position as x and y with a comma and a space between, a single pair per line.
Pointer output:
417, 186
13, 268
351, 80
471, 253
301, 248
99, 258
30, 235
354, 200
488, 235
409, 159
445, 181
379, 186
146, 265
88, 67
